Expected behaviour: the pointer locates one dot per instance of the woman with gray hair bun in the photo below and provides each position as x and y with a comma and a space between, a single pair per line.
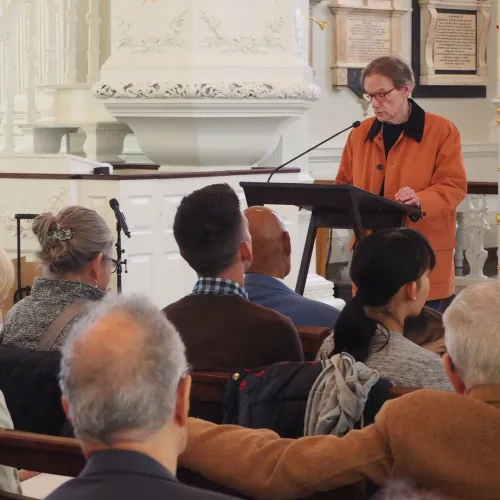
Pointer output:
76, 252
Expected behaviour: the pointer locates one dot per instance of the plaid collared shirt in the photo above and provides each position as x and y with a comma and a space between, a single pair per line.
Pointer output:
218, 286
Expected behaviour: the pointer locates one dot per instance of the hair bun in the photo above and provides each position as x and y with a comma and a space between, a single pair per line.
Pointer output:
70, 239
43, 226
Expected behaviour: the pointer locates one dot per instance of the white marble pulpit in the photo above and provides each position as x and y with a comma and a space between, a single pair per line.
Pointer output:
211, 91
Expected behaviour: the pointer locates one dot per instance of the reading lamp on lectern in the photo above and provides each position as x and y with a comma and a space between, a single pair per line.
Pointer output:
354, 125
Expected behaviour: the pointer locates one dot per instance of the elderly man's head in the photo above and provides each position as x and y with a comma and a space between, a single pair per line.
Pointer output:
270, 242
472, 337
124, 376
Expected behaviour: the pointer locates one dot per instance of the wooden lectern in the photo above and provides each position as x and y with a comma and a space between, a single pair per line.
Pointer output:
333, 206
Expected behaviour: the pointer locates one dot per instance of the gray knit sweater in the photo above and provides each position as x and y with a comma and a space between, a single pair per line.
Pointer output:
401, 361
28, 320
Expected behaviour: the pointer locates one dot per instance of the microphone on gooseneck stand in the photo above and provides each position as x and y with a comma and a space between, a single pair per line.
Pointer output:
121, 225
356, 124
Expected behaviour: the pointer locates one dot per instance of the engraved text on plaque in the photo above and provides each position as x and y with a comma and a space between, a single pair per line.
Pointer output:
368, 37
455, 42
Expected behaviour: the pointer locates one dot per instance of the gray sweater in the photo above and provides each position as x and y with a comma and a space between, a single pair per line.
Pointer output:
28, 320
401, 361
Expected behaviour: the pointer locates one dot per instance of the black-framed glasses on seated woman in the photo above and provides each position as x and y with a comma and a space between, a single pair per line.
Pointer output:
379, 96
113, 262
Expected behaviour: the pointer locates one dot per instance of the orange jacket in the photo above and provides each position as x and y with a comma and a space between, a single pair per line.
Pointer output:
427, 157
444, 442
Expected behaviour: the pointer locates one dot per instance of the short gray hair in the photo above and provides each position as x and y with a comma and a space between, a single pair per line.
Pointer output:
472, 335
114, 395
392, 67
403, 490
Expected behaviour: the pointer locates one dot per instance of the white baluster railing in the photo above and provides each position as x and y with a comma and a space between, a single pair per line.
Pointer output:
476, 227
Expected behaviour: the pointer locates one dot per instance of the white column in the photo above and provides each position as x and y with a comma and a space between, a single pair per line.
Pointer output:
10, 58
496, 103
321, 24
71, 36
51, 28
32, 36
94, 51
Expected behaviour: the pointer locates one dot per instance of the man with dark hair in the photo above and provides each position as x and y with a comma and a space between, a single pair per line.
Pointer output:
221, 328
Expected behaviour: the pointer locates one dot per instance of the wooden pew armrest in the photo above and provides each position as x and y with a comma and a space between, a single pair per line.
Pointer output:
318, 333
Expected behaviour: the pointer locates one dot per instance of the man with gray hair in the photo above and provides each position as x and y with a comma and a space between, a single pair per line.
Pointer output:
125, 384
442, 441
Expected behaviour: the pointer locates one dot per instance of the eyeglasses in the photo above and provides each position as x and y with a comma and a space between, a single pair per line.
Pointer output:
379, 97
114, 263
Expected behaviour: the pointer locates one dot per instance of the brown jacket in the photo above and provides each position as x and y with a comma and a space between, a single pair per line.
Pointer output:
228, 332
428, 158
442, 441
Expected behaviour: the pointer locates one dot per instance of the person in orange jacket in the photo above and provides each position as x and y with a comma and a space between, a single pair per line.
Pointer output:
411, 156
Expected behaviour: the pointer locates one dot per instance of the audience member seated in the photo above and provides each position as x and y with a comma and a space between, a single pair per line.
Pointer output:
426, 330
75, 249
29, 383
125, 384
443, 441
271, 264
390, 270
8, 476
221, 328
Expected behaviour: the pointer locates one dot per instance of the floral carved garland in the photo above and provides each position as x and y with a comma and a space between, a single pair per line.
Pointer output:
236, 90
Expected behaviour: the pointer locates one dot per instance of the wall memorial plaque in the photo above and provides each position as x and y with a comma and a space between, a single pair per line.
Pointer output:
449, 48
368, 36
455, 42
361, 32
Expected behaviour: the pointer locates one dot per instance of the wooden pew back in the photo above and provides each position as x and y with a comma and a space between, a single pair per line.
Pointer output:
207, 391
209, 387
63, 456
4, 495
312, 337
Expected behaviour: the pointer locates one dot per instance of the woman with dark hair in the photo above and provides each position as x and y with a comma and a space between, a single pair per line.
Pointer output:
390, 270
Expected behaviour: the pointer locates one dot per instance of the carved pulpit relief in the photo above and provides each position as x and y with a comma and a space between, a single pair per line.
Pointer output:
362, 31
451, 37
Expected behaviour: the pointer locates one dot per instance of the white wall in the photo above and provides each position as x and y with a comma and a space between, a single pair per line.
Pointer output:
475, 118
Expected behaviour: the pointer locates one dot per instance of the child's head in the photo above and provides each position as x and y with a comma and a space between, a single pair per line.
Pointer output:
426, 330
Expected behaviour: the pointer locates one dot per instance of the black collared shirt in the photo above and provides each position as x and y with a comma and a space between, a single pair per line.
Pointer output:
391, 133
413, 128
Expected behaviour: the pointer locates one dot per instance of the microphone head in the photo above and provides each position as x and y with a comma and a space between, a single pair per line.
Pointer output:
113, 203
356, 124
